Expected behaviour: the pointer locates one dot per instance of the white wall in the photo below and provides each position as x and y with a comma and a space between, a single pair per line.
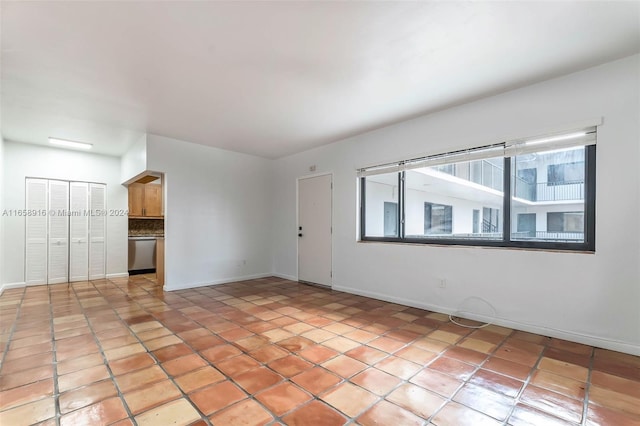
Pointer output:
134, 161
24, 160
592, 298
217, 213
1, 208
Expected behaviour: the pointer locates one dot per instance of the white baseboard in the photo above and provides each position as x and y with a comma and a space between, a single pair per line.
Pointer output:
614, 345
118, 275
285, 276
220, 281
7, 286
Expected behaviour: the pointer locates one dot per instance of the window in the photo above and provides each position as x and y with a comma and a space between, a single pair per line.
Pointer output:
532, 193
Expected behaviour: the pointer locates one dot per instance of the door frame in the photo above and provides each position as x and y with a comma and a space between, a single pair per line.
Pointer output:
298, 179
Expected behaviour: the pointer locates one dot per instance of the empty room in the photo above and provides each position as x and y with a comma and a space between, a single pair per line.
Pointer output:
320, 213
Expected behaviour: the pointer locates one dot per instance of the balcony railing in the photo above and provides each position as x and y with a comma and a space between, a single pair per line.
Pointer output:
545, 191
548, 236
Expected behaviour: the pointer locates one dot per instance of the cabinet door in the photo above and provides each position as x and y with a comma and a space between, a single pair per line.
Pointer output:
152, 200
79, 231
136, 199
58, 265
36, 232
97, 231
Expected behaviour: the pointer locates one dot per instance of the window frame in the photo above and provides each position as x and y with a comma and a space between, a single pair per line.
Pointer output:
588, 245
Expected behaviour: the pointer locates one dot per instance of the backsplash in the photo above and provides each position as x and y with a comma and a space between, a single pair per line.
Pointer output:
146, 227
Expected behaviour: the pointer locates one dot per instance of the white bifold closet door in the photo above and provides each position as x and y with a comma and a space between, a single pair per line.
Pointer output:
36, 231
97, 230
58, 259
79, 231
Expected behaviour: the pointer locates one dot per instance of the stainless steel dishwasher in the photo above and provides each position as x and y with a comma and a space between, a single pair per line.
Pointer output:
142, 255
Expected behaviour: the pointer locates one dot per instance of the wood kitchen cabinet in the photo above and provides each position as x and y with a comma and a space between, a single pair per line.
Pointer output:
145, 200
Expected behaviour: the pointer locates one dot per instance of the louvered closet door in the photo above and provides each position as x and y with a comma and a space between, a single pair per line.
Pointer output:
79, 231
36, 231
58, 267
97, 231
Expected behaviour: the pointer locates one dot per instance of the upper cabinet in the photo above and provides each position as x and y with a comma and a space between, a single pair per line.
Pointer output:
145, 200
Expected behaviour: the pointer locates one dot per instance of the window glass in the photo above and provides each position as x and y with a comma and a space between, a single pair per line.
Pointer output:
381, 215
455, 201
548, 196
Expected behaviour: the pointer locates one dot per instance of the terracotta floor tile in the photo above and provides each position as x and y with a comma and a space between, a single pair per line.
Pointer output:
247, 412
151, 396
82, 377
601, 416
268, 353
436, 382
564, 369
386, 344
615, 383
496, 382
289, 366
216, 397
220, 352
344, 366
452, 367
172, 352
386, 413
318, 353
316, 380
295, 343
283, 398
139, 378
560, 384
553, 403
179, 366
199, 378
524, 415
257, 379
82, 397
104, 412
237, 365
178, 412
366, 354
27, 362
417, 400
517, 355
28, 414
614, 400
508, 368
485, 401
456, 414
27, 393
376, 381
315, 413
161, 345
398, 367
132, 363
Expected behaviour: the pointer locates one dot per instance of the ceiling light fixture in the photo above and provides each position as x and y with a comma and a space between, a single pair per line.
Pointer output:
70, 144
556, 138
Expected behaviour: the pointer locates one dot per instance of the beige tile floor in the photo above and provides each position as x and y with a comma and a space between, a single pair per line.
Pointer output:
272, 351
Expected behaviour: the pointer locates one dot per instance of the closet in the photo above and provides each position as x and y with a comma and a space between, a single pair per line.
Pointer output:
65, 231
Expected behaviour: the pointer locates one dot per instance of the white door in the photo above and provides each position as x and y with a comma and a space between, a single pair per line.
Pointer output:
58, 265
79, 231
36, 231
97, 231
314, 230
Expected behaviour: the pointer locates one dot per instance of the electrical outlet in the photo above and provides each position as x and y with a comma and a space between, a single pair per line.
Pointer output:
443, 283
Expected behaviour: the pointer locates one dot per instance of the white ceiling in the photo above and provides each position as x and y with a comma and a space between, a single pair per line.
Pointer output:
274, 78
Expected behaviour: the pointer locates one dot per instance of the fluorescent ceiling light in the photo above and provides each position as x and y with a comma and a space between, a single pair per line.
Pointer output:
556, 138
70, 144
